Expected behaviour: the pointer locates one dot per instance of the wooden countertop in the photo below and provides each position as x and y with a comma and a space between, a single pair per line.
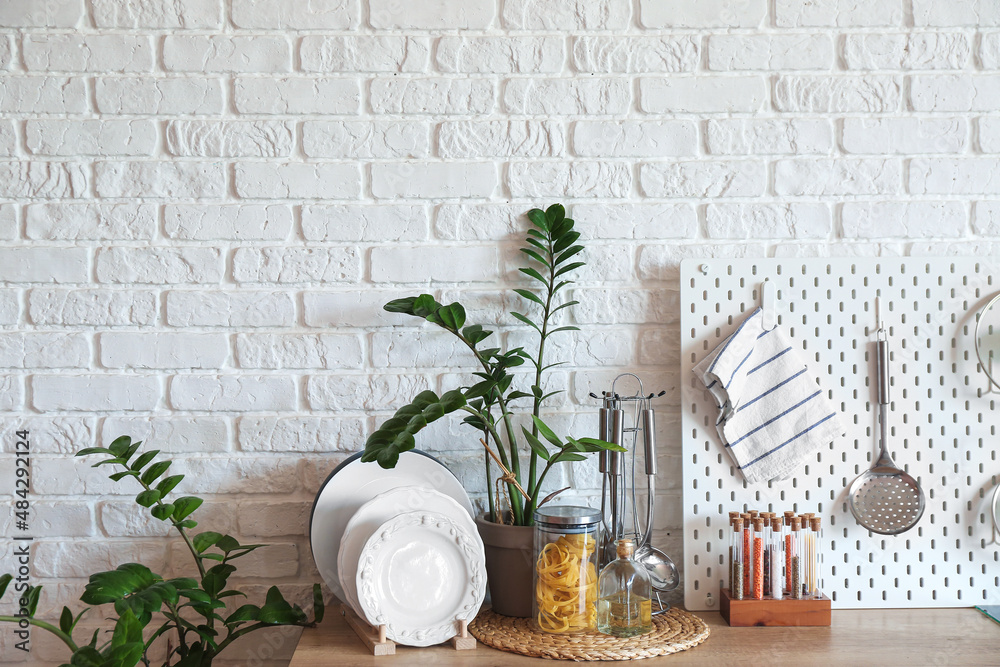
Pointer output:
945, 637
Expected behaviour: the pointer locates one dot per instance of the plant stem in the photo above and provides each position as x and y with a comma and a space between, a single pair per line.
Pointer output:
489, 485
513, 463
66, 639
515, 497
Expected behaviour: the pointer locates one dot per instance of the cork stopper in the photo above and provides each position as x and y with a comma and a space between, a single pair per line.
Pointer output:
796, 524
733, 515
768, 516
816, 522
737, 525
758, 524
753, 514
625, 547
776, 523
788, 518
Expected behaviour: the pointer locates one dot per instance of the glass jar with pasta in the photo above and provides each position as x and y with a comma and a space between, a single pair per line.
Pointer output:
566, 563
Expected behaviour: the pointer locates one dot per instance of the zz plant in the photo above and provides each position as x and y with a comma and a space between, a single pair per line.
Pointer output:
144, 605
552, 252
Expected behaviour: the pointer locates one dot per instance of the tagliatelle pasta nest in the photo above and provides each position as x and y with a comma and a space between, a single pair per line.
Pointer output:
567, 584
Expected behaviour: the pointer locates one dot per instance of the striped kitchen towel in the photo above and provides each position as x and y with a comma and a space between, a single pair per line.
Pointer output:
772, 414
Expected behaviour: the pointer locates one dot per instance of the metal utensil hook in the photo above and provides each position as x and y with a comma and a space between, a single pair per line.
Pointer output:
637, 394
768, 301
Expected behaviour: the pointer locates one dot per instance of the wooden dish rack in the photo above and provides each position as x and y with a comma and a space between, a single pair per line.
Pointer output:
376, 641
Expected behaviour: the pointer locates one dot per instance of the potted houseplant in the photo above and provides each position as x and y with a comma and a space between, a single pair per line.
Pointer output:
553, 255
190, 611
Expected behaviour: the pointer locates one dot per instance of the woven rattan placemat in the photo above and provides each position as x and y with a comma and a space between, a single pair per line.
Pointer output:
674, 631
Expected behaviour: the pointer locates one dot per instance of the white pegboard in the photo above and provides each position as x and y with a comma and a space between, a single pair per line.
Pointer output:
943, 423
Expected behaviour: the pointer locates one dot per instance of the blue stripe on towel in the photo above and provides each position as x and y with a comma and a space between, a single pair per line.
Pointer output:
730, 339
774, 419
777, 386
797, 435
758, 367
737, 369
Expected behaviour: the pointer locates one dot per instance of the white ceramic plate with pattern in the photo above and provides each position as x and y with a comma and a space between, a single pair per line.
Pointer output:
380, 509
419, 574
354, 483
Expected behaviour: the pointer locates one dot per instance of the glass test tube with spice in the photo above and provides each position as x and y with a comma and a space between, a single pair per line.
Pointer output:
776, 558
757, 566
798, 558
736, 558
813, 552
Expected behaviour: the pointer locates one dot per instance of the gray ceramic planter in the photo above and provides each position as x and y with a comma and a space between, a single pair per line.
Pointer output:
508, 566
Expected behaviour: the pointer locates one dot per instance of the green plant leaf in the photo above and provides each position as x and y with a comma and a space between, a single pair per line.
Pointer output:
144, 459
66, 620
528, 271
118, 476
521, 318
404, 305
33, 593
514, 395
564, 241
215, 579
569, 456
425, 306
148, 498
277, 611
120, 445
112, 461
4, 582
127, 630
92, 450
318, 607
566, 328
537, 217
87, 656
162, 512
227, 543
530, 296
187, 523
167, 484
203, 541
184, 506
535, 256
154, 471
572, 251
247, 612
536, 445
546, 432
564, 305
596, 445
475, 334
569, 267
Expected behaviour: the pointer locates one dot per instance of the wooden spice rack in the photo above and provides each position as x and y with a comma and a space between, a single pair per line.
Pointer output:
812, 611
376, 641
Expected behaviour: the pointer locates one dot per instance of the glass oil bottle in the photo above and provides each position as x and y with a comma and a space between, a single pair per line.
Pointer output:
624, 603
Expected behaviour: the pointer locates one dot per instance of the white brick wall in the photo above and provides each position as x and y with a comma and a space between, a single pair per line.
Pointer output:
204, 204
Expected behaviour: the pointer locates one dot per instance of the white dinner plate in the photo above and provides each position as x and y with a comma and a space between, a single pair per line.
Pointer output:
419, 574
380, 509
354, 483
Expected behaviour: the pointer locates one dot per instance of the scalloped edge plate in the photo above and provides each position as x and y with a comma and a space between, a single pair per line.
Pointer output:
351, 485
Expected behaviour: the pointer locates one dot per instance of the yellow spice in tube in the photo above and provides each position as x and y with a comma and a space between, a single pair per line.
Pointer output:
567, 584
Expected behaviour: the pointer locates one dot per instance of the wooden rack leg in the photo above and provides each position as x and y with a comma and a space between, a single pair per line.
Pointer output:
374, 639
463, 642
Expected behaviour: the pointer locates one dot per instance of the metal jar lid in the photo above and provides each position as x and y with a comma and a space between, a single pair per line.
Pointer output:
567, 515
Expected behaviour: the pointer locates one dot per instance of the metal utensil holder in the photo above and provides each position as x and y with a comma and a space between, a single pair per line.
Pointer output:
618, 469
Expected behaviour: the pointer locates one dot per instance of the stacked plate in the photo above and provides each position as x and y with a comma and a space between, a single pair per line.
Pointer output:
400, 547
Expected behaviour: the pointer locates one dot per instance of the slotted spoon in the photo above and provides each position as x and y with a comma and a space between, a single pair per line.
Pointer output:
885, 499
